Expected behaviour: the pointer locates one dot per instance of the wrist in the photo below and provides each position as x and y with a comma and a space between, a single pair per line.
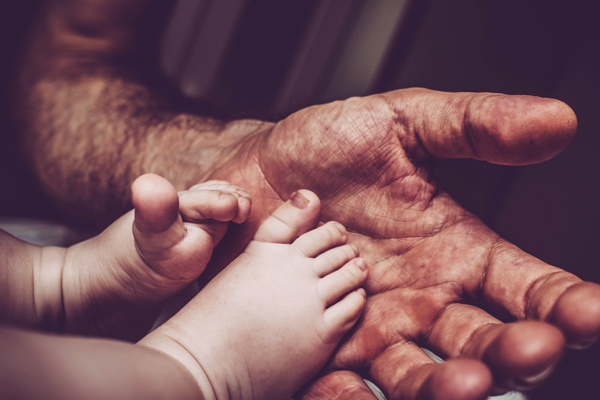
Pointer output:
198, 146
47, 289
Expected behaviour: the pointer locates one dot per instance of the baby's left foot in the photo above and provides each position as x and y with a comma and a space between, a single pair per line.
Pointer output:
121, 277
271, 319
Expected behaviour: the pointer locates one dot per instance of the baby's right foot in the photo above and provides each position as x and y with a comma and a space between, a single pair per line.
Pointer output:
118, 280
270, 320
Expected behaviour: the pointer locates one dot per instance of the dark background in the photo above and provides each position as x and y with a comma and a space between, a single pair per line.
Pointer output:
267, 67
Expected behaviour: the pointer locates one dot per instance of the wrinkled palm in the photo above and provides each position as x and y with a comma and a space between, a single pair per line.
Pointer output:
434, 267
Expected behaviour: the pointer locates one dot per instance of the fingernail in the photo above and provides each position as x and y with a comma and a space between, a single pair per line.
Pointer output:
362, 292
528, 382
582, 345
298, 200
360, 263
355, 249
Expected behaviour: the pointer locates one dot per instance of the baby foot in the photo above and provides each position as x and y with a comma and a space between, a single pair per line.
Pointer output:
271, 319
175, 234
169, 246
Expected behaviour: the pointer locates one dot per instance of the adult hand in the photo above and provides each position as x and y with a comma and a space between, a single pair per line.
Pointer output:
436, 272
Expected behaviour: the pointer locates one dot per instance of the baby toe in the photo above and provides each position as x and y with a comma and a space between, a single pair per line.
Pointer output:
342, 315
156, 203
334, 259
323, 238
334, 285
291, 219
199, 205
211, 185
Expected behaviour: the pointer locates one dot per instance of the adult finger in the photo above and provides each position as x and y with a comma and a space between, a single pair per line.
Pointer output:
501, 129
525, 287
520, 355
404, 371
338, 385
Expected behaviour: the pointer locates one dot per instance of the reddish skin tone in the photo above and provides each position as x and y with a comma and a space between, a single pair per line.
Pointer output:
427, 253
366, 158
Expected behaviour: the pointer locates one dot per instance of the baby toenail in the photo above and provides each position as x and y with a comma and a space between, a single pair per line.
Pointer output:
242, 192
298, 200
360, 263
340, 228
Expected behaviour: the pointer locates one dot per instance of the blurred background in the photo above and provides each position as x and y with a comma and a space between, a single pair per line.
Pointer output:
268, 58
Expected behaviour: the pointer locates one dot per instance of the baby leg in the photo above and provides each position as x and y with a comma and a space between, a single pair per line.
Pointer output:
271, 319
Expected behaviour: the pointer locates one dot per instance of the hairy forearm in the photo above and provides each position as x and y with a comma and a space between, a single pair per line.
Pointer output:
38, 366
89, 138
90, 123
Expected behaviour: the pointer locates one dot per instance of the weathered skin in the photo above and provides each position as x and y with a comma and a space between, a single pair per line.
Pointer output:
434, 268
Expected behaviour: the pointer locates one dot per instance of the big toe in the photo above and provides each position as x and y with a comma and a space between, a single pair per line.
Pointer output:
294, 217
156, 203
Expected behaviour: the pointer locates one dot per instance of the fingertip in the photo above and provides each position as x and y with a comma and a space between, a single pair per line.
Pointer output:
565, 117
521, 129
560, 125
460, 379
339, 385
577, 314
524, 354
